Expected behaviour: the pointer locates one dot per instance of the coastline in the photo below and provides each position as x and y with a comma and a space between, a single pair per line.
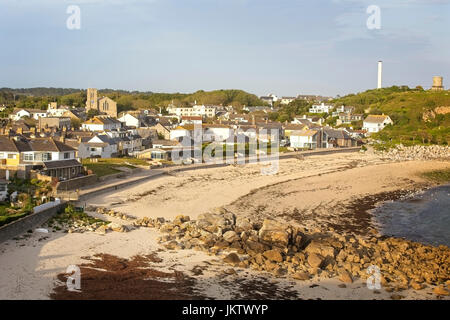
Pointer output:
326, 182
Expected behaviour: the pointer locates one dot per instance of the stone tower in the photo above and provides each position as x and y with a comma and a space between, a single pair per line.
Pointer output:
91, 101
437, 84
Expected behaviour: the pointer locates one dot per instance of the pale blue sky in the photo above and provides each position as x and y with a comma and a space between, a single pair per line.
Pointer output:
286, 47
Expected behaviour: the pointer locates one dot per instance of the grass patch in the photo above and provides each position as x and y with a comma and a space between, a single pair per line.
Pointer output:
104, 167
439, 176
5, 219
70, 216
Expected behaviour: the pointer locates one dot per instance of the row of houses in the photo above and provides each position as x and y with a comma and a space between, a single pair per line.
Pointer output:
46, 156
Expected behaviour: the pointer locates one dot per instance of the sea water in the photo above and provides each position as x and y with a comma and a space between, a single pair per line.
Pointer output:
424, 217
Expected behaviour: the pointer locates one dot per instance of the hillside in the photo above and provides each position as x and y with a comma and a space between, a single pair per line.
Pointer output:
40, 97
419, 116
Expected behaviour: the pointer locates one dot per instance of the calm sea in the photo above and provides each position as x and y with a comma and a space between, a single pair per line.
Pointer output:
424, 217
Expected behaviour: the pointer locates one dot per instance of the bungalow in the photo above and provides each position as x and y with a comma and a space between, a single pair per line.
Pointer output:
376, 123
154, 154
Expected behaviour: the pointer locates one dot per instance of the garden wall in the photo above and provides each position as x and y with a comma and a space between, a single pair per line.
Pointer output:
34, 220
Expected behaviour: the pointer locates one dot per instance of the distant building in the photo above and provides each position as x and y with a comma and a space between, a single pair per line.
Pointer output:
30, 113
343, 109
287, 100
320, 108
193, 111
267, 99
347, 118
54, 122
376, 123
104, 105
191, 120
131, 120
101, 123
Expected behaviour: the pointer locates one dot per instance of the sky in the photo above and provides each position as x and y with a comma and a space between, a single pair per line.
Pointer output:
285, 47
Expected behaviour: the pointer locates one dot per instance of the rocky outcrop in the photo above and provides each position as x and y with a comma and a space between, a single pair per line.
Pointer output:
402, 153
284, 250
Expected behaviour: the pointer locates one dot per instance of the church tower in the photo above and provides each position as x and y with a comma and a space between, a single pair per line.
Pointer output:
91, 101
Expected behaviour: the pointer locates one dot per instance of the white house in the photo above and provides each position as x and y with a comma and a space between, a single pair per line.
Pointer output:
376, 123
216, 132
101, 124
31, 113
343, 109
101, 146
320, 108
191, 120
304, 139
183, 131
196, 110
130, 120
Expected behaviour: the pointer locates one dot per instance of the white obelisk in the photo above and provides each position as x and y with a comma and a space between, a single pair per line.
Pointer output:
380, 73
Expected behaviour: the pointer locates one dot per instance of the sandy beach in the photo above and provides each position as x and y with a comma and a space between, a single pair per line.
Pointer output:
318, 192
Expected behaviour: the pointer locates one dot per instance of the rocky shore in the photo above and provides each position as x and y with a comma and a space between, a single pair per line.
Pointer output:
302, 254
403, 153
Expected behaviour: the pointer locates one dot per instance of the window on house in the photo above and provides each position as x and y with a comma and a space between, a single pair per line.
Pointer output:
11, 156
66, 155
2, 155
28, 157
46, 156
2, 187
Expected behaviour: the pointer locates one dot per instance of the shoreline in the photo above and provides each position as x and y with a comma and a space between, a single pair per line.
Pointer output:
326, 183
